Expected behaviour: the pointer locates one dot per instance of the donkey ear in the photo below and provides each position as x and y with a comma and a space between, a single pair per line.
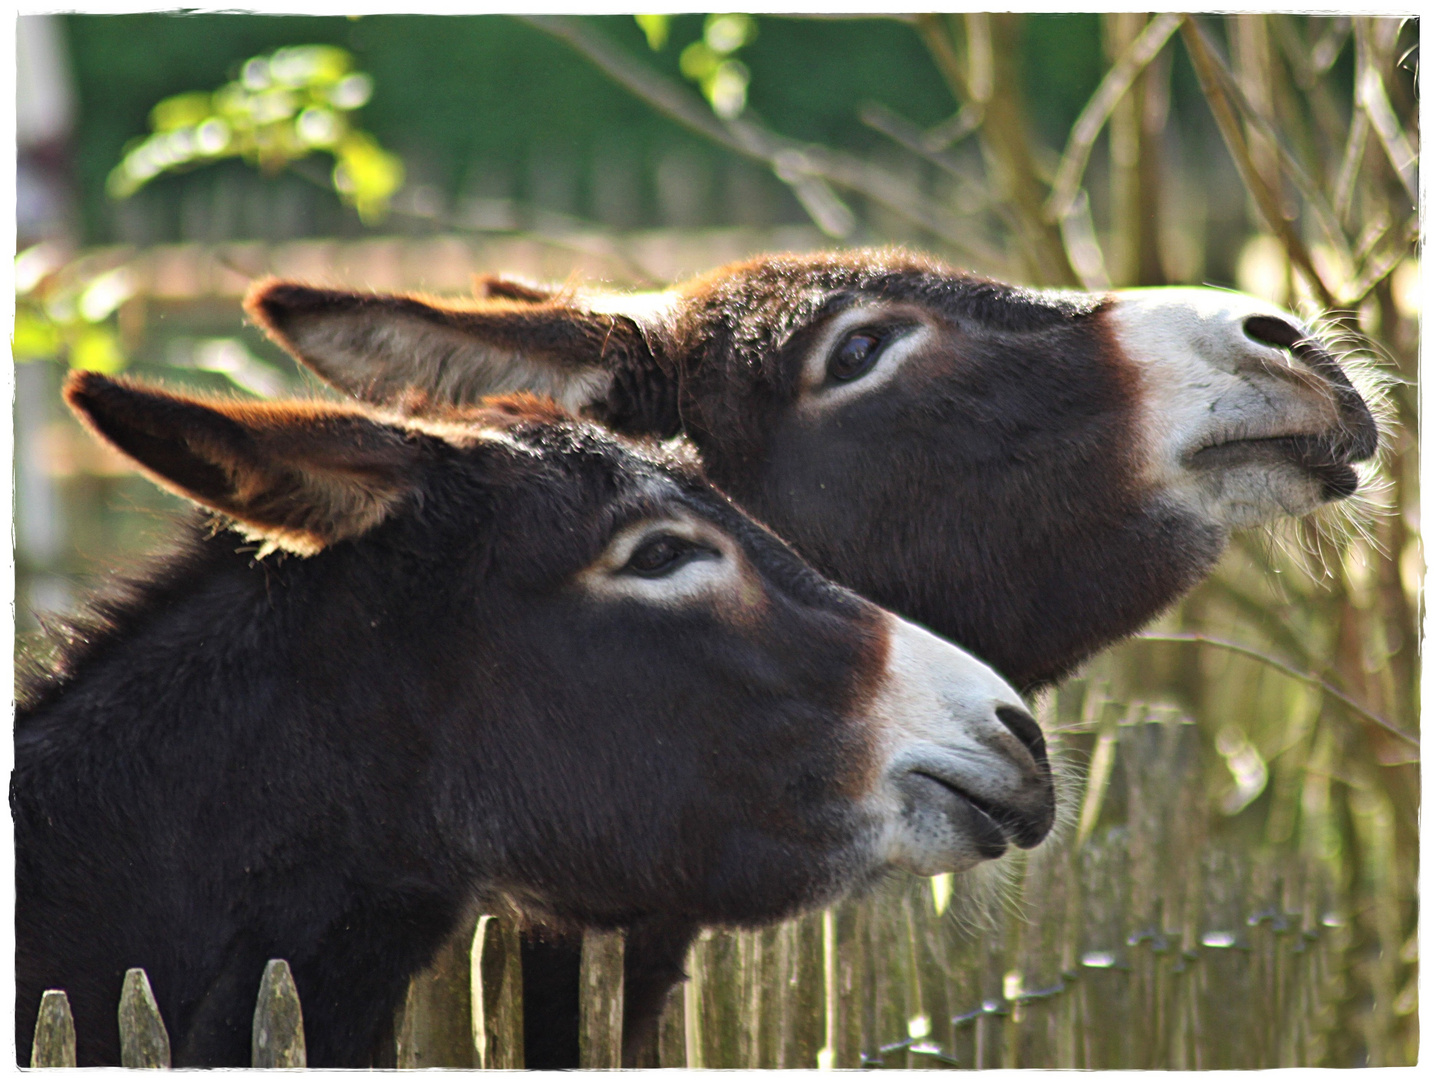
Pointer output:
298, 475
383, 348
503, 287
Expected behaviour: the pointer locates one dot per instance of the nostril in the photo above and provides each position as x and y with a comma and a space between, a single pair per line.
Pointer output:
1269, 330
1360, 438
1024, 727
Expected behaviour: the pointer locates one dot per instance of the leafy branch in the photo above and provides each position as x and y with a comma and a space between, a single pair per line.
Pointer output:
282, 108
810, 170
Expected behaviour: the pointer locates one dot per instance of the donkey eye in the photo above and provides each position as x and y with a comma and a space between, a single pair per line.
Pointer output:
855, 356
661, 555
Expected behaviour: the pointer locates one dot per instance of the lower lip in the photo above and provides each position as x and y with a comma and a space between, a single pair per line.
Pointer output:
990, 838
1338, 479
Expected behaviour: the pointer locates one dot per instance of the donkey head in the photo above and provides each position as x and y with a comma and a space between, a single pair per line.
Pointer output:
1032, 474
614, 692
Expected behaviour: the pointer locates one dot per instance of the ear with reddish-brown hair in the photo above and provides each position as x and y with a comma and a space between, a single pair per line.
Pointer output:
298, 475
502, 287
383, 347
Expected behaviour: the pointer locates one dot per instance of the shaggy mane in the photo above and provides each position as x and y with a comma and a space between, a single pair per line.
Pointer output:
117, 604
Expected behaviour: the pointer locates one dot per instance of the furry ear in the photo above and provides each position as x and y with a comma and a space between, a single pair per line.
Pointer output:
382, 348
297, 475
502, 287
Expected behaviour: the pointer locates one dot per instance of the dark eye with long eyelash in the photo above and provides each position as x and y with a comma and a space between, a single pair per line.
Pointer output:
855, 356
661, 555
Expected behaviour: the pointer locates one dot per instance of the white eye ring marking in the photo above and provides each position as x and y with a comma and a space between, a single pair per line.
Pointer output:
902, 332
719, 569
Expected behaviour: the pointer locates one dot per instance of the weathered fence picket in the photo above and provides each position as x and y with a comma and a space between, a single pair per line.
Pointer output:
144, 1044
496, 977
278, 1036
1145, 943
600, 1001
435, 1028
54, 1045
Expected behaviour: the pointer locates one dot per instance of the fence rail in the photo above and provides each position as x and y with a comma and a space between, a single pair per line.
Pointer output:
1140, 944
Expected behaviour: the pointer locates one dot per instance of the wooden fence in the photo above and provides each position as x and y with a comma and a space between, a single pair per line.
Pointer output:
1136, 941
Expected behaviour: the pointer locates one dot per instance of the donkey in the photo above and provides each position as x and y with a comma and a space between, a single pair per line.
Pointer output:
421, 662
1034, 475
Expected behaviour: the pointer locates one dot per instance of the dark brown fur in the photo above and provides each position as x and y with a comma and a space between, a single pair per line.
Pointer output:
326, 758
994, 491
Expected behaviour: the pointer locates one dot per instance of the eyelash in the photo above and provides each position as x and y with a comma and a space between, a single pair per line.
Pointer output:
879, 336
684, 551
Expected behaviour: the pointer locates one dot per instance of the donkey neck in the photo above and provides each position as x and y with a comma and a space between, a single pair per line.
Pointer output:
182, 776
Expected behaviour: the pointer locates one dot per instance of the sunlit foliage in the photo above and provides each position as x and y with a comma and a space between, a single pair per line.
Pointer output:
711, 61
282, 108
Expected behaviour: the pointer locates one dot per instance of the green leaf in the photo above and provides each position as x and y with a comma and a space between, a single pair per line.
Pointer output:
97, 348
367, 174
283, 108
698, 61
35, 337
725, 34
182, 110
656, 27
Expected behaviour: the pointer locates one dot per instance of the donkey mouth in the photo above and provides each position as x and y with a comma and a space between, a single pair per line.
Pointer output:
993, 826
1325, 457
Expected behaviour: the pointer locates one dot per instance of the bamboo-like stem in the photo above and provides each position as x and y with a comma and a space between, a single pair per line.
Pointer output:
993, 84
1202, 56
1098, 110
1324, 213
1373, 101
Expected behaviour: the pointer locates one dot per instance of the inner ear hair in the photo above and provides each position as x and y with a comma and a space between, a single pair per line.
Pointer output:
501, 287
380, 347
295, 475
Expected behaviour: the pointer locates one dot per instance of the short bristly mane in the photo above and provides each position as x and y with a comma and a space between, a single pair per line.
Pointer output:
49, 657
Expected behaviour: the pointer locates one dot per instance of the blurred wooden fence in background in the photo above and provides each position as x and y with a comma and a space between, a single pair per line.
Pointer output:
1131, 942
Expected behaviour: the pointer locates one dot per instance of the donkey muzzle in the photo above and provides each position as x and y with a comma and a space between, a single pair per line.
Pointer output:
967, 773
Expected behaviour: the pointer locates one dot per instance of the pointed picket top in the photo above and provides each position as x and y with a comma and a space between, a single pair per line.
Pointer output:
144, 1044
278, 1034
54, 1045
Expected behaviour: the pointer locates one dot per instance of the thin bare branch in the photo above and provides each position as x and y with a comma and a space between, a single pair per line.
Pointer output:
1350, 163
787, 158
1098, 109
1311, 62
1379, 266
1324, 214
910, 137
1374, 102
1078, 235
988, 80
1202, 56
1306, 677
938, 43
952, 130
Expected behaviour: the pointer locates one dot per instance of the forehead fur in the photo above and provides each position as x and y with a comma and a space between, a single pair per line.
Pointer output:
764, 301
542, 422
498, 410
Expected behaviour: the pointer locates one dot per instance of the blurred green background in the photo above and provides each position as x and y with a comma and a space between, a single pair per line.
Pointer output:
1272, 153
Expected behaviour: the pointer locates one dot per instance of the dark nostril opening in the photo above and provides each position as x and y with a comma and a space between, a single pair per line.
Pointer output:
1361, 435
1273, 331
1024, 727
